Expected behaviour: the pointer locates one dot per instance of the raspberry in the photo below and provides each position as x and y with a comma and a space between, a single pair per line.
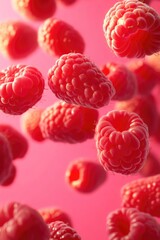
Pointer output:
123, 81
57, 37
67, 2
122, 142
130, 224
68, 123
60, 230
143, 194
21, 222
151, 166
30, 124
132, 29
11, 177
145, 107
21, 87
35, 10
17, 39
50, 215
75, 79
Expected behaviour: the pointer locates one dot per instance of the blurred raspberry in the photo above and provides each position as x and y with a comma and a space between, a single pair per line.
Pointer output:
151, 166
69, 123
123, 80
84, 175
57, 37
130, 224
146, 1
132, 29
17, 39
75, 79
122, 142
11, 177
35, 10
67, 2
21, 87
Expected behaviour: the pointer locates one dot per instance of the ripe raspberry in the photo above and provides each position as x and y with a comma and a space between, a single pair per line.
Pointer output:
21, 87
60, 230
75, 79
130, 224
67, 2
57, 37
50, 215
146, 1
17, 39
68, 123
122, 79
122, 142
35, 10
11, 177
132, 29
145, 107
21, 222
151, 166
143, 194
30, 124
84, 175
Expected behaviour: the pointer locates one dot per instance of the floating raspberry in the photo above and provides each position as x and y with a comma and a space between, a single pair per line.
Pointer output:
21, 87
67, 2
151, 166
75, 79
132, 29
68, 123
84, 175
30, 124
21, 222
128, 224
122, 142
60, 230
123, 80
11, 177
143, 194
17, 39
35, 10
57, 37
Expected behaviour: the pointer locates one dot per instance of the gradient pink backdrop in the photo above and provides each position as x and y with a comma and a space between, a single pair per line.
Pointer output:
40, 179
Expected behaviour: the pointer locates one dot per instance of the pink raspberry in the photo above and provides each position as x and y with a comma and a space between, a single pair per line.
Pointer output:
75, 79
122, 142
60, 230
84, 175
35, 10
68, 123
143, 194
151, 166
21, 222
130, 224
123, 80
67, 2
17, 39
57, 37
11, 177
132, 29
21, 87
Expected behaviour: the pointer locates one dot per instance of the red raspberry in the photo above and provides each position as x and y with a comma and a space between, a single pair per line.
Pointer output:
35, 10
151, 166
57, 37
21, 87
60, 230
21, 222
67, 2
84, 175
17, 39
122, 142
143, 194
68, 123
75, 79
132, 29
30, 124
145, 107
11, 177
130, 224
146, 1
123, 80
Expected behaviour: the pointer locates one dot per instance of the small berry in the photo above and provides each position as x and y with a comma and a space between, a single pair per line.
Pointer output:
57, 37
132, 29
122, 142
75, 79
151, 166
11, 177
21, 87
68, 123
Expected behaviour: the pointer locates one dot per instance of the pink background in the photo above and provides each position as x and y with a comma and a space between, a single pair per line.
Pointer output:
40, 179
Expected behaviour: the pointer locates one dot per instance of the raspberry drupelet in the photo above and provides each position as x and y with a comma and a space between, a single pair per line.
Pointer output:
132, 29
122, 142
75, 79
